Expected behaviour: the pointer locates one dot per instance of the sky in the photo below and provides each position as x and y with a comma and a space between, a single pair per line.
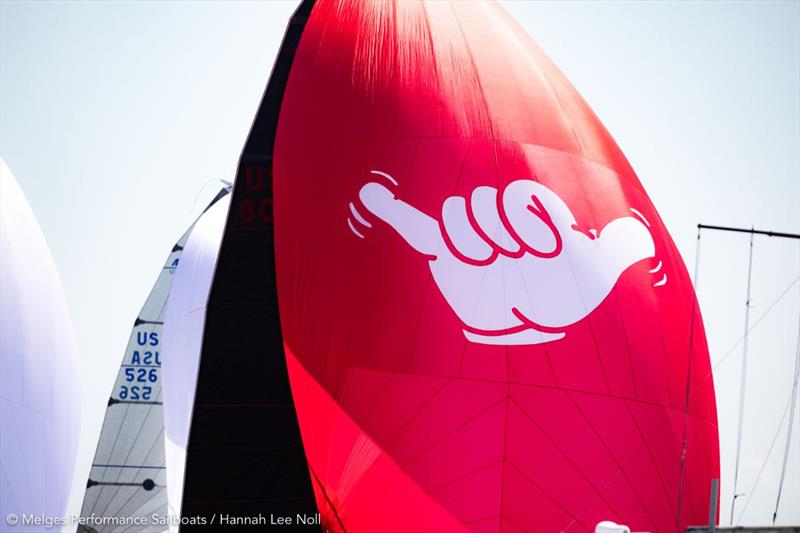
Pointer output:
117, 117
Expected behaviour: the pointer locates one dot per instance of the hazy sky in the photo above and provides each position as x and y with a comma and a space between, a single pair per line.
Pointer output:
116, 115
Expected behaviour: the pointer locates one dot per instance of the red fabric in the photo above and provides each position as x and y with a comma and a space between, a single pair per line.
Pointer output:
408, 425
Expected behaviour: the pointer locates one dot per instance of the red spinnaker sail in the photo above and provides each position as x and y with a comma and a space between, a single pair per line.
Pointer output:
487, 325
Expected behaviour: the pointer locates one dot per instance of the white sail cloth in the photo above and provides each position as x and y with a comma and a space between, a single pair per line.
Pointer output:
127, 479
183, 337
39, 388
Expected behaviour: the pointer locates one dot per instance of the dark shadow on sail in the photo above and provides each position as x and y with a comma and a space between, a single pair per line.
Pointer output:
245, 455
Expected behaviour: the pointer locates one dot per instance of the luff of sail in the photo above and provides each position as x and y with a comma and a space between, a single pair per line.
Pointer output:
126, 489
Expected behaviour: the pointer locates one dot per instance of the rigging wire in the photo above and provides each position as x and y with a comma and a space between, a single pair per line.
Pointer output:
792, 402
766, 460
743, 384
739, 341
679, 509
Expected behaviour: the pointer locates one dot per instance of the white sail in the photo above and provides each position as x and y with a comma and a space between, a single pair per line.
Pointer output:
39, 389
183, 336
126, 490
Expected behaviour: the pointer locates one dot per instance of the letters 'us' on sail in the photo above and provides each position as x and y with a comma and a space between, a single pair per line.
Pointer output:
486, 322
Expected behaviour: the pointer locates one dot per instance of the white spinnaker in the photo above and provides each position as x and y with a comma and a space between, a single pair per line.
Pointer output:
128, 476
183, 336
39, 388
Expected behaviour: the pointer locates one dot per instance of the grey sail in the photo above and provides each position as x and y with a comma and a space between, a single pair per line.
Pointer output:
126, 489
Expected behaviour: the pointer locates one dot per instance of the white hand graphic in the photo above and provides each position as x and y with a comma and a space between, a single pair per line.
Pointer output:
606, 526
515, 268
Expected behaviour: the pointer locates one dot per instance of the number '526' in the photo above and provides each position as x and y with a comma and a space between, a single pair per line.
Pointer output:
141, 375
135, 393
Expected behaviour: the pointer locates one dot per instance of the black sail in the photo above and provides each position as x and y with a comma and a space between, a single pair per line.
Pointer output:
245, 455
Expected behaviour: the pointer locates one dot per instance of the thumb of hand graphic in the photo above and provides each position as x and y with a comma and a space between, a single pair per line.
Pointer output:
417, 228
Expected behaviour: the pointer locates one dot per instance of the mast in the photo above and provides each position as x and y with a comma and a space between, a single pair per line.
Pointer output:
245, 454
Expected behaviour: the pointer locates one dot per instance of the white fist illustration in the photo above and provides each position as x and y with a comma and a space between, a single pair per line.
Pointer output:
516, 268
